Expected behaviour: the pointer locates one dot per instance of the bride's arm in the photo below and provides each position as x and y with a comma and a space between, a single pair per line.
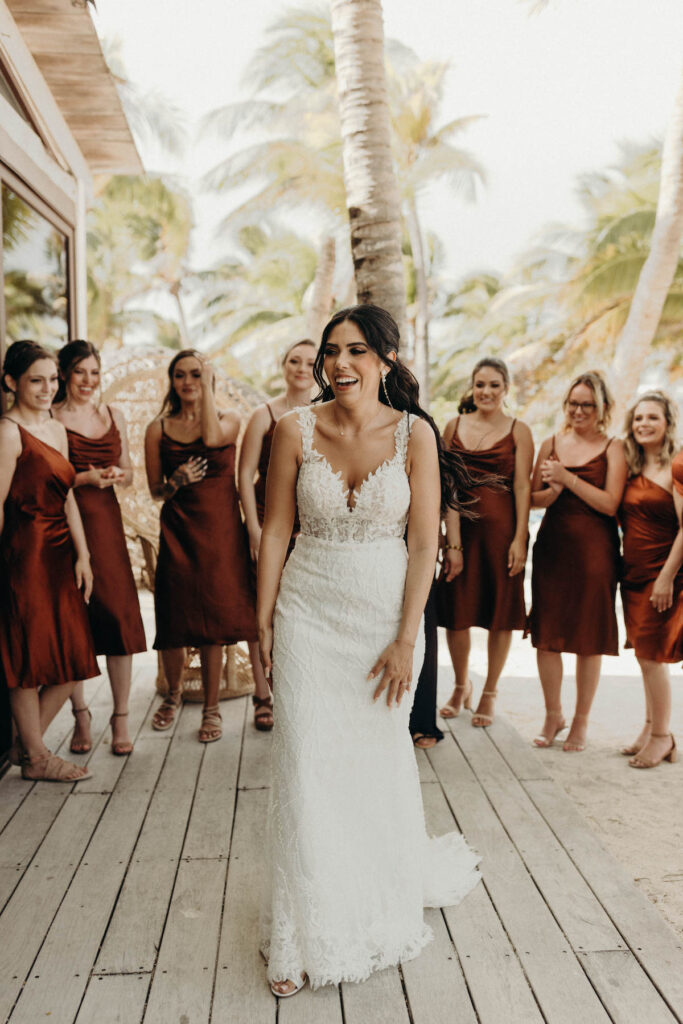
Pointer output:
423, 544
283, 469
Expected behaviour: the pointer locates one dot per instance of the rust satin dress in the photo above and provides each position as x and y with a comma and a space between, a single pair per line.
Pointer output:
260, 484
677, 472
575, 572
483, 594
649, 524
45, 636
114, 609
203, 592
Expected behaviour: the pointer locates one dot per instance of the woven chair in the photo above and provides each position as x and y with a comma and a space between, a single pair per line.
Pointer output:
236, 675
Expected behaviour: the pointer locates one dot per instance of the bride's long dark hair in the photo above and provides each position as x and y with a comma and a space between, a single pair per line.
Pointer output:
381, 334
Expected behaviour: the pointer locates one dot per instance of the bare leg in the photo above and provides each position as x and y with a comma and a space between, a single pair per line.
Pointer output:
211, 660
262, 712
644, 734
173, 660
81, 741
550, 673
658, 696
459, 647
498, 649
587, 679
120, 670
32, 713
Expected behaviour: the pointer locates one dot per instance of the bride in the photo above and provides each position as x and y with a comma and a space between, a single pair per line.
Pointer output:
350, 864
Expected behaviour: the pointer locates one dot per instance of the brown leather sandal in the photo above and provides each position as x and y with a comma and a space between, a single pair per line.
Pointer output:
52, 769
119, 749
263, 713
164, 716
81, 746
211, 728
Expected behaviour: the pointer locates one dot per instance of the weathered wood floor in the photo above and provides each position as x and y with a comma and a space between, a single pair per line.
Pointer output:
134, 896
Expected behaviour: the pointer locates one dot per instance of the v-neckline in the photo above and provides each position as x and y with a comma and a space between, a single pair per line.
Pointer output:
356, 491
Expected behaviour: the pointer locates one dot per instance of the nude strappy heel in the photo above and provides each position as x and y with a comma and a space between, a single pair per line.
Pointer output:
543, 741
479, 720
671, 757
448, 711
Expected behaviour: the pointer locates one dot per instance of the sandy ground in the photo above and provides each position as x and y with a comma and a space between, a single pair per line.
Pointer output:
638, 815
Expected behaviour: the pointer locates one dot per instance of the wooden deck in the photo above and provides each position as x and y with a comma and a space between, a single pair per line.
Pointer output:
134, 896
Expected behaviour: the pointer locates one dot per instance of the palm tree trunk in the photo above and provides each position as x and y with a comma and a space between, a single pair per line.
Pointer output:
421, 363
182, 322
659, 268
372, 195
321, 305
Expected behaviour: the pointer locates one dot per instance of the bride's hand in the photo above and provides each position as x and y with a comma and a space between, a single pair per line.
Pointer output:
265, 649
396, 665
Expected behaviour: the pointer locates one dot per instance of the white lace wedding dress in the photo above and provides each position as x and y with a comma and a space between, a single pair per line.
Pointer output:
350, 864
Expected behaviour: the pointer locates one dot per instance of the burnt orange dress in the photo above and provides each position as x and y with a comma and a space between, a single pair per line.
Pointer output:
575, 572
649, 524
114, 609
203, 591
484, 594
677, 472
45, 637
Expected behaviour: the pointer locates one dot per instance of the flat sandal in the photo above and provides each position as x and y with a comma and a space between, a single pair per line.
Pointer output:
164, 716
211, 728
51, 769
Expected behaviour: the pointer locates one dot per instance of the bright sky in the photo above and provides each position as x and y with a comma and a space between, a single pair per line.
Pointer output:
560, 90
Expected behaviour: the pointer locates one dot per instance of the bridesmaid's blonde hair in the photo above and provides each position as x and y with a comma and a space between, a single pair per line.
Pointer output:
635, 456
604, 403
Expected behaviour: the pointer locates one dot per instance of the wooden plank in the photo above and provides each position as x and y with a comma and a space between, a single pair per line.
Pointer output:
241, 975
76, 932
320, 1007
119, 1000
379, 999
658, 949
183, 979
558, 982
25, 832
255, 767
210, 827
104, 765
13, 792
424, 767
626, 991
525, 761
135, 930
28, 915
572, 902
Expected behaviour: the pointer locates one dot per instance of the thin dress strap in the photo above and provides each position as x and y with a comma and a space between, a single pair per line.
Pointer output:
402, 437
273, 421
306, 420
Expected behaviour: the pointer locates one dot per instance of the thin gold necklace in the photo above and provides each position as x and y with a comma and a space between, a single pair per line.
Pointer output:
362, 429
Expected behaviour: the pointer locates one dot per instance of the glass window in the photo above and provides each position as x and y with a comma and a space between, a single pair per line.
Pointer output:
35, 274
7, 93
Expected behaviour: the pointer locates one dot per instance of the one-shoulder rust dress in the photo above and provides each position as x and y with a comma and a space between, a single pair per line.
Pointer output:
677, 472
575, 572
203, 592
649, 524
484, 594
45, 637
114, 609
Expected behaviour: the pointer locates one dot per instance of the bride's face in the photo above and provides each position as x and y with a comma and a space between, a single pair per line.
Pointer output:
351, 366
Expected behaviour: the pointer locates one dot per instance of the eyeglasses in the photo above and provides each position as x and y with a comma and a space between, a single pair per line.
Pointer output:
583, 406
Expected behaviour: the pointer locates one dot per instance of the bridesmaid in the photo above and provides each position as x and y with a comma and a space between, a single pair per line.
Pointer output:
98, 451
482, 583
297, 370
203, 593
652, 581
579, 480
45, 639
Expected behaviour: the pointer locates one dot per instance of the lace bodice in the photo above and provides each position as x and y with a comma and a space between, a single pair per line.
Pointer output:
381, 502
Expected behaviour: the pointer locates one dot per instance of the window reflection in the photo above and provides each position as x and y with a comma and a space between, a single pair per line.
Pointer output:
34, 264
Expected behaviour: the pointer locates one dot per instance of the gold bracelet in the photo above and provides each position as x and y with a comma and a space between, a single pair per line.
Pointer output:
453, 547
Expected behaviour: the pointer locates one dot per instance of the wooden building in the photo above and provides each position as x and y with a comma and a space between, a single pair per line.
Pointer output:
61, 123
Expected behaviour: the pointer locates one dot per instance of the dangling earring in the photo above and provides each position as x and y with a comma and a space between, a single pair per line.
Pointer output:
384, 388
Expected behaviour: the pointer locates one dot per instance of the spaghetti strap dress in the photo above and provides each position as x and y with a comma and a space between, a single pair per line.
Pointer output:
45, 637
114, 608
203, 591
260, 484
677, 472
484, 594
575, 569
648, 520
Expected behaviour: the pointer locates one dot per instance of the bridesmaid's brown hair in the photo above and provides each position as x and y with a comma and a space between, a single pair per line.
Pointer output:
68, 358
171, 403
20, 357
635, 456
467, 403
604, 403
